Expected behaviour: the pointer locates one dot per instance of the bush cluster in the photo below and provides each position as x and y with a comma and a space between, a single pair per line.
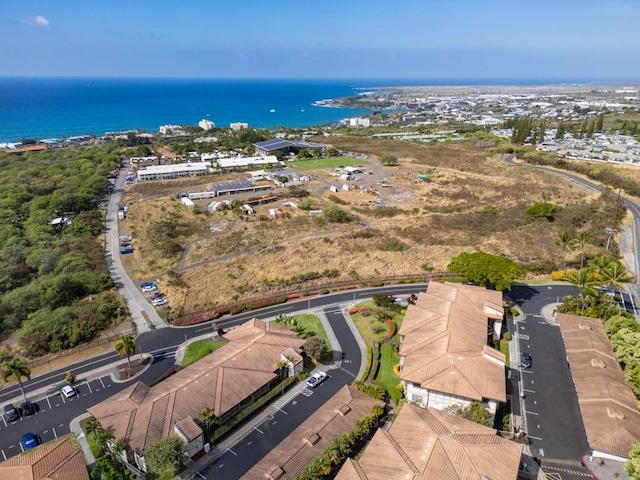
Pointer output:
194, 320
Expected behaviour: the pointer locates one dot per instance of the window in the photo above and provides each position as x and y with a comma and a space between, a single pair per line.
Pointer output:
416, 398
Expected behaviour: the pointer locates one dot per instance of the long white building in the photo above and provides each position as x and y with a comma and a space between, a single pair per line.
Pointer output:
178, 170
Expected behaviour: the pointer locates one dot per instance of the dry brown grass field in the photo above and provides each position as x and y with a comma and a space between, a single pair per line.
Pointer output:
473, 201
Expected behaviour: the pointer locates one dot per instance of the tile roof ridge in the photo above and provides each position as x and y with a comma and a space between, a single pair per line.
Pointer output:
405, 457
452, 443
359, 470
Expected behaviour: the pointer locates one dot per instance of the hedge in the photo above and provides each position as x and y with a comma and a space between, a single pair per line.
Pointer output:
203, 317
375, 364
367, 368
357, 310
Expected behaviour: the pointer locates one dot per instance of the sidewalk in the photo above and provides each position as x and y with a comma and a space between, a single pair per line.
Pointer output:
194, 467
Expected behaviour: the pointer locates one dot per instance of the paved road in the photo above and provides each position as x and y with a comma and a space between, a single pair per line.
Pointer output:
162, 344
289, 413
633, 207
553, 422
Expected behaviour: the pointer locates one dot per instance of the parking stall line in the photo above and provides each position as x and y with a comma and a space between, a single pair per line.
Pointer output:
102, 383
256, 428
234, 453
535, 438
531, 413
62, 397
528, 391
54, 432
89, 385
4, 455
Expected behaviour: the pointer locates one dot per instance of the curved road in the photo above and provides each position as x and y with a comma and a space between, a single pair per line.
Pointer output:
633, 207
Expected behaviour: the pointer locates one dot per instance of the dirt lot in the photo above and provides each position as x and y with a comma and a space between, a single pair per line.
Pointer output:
471, 201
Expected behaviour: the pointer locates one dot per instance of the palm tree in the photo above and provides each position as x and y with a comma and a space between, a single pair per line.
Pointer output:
322, 465
209, 419
345, 442
565, 241
103, 438
310, 473
377, 411
126, 347
582, 240
615, 275
93, 427
16, 369
332, 452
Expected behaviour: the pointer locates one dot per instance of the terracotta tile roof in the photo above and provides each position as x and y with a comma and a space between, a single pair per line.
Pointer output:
141, 415
57, 460
433, 444
189, 428
289, 458
607, 404
444, 342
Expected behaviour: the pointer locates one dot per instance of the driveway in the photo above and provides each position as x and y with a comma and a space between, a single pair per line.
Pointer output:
552, 417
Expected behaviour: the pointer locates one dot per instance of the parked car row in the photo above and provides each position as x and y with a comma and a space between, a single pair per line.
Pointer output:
155, 296
125, 244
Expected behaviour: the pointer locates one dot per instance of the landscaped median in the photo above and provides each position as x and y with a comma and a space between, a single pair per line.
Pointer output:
378, 322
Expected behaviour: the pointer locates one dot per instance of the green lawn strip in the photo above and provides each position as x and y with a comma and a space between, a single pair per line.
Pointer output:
365, 324
388, 358
504, 348
312, 327
199, 349
322, 163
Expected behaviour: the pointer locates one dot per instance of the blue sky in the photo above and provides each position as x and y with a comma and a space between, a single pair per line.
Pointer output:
447, 39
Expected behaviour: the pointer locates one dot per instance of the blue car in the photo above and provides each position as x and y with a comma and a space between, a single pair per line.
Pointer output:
126, 250
29, 441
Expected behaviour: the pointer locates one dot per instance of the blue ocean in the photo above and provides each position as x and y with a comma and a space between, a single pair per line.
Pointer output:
55, 107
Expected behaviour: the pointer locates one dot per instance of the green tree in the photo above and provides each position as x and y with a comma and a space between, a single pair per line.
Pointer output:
542, 210
165, 456
303, 153
335, 214
283, 179
582, 239
315, 348
475, 411
333, 152
16, 369
487, 270
632, 467
390, 160
561, 130
126, 347
333, 453
565, 241
209, 420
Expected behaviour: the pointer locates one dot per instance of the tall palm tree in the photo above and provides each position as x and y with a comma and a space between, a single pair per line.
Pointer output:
103, 438
126, 347
565, 241
615, 275
377, 411
582, 240
310, 473
16, 369
209, 419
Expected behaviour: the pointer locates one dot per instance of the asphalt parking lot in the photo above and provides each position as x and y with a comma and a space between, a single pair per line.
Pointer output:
554, 426
51, 419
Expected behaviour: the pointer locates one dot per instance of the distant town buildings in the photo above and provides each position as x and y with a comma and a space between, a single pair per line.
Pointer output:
359, 122
206, 124
238, 126
177, 170
170, 129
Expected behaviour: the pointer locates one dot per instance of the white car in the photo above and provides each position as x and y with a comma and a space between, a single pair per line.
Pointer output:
316, 379
68, 391
157, 302
125, 238
148, 287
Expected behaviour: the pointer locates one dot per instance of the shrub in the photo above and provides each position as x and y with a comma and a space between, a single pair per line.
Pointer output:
507, 336
392, 328
542, 210
315, 348
324, 291
335, 214
559, 275
367, 368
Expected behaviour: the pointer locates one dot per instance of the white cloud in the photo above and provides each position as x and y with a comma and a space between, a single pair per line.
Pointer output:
37, 21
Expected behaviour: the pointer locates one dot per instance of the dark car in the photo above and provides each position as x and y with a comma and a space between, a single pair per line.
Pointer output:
29, 441
526, 361
11, 413
126, 250
27, 408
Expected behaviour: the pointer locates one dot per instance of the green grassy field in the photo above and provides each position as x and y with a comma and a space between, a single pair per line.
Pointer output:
366, 324
199, 349
323, 163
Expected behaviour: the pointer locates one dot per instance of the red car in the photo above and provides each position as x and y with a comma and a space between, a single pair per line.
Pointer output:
125, 244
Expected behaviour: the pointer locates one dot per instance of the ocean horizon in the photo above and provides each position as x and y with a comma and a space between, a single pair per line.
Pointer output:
55, 107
